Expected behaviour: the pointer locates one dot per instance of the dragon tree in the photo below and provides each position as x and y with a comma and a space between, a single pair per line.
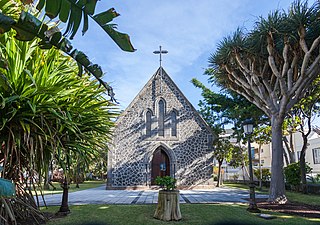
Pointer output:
272, 66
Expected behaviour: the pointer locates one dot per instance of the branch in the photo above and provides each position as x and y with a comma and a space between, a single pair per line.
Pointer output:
290, 71
302, 42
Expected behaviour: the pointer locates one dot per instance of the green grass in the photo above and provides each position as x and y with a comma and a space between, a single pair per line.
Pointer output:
72, 187
202, 214
292, 196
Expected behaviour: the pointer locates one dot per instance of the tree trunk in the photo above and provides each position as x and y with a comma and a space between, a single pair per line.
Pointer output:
219, 173
277, 185
64, 208
284, 151
291, 152
302, 162
260, 168
290, 149
168, 207
46, 180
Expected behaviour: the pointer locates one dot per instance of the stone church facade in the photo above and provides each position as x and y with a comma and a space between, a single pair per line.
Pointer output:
160, 133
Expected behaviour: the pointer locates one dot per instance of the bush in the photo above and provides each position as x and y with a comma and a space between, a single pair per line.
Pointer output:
292, 174
167, 183
317, 178
266, 174
235, 176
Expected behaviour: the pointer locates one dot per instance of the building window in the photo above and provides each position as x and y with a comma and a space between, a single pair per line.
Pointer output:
316, 155
148, 123
173, 123
161, 118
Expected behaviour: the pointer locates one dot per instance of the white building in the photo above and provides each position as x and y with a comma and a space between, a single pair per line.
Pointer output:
312, 155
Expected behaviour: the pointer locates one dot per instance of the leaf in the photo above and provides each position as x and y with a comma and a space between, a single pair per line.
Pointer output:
95, 69
4, 83
44, 44
80, 72
52, 8
74, 21
105, 17
32, 106
90, 6
121, 39
82, 58
85, 23
28, 27
64, 10
40, 4
6, 23
64, 45
71, 11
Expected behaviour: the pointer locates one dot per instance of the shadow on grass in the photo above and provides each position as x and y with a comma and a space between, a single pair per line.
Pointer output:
231, 223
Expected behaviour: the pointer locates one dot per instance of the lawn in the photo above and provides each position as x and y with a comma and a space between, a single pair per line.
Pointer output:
292, 196
72, 187
203, 214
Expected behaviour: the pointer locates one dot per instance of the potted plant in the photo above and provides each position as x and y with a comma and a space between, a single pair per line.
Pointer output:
168, 207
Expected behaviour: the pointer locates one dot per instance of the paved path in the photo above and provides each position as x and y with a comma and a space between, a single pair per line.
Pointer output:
100, 195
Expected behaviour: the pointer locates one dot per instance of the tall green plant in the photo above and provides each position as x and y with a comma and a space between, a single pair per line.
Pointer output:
47, 111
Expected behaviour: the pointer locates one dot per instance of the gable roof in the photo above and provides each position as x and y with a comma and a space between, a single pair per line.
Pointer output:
160, 71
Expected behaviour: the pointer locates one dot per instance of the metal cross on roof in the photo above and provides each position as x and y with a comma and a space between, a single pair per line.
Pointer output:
160, 53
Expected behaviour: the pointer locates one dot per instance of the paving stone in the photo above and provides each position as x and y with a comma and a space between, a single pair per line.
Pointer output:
101, 196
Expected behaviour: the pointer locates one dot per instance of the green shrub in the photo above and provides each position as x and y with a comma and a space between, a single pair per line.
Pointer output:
167, 183
317, 178
292, 173
266, 174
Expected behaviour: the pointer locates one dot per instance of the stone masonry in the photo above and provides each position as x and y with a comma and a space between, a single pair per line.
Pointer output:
160, 116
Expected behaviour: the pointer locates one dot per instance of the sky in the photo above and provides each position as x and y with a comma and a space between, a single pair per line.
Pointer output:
189, 30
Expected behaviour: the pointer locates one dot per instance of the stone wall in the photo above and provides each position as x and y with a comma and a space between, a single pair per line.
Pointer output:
190, 151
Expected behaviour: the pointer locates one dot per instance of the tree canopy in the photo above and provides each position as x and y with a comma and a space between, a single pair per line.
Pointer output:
272, 66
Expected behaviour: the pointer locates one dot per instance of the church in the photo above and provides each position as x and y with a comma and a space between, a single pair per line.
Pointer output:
160, 133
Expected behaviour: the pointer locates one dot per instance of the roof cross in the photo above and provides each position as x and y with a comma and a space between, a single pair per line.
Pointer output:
160, 53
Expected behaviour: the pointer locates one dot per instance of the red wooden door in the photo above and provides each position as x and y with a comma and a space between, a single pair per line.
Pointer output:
160, 165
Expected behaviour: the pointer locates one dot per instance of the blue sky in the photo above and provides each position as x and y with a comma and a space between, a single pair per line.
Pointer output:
189, 29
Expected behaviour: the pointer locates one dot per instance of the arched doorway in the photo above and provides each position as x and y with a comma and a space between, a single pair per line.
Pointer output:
160, 165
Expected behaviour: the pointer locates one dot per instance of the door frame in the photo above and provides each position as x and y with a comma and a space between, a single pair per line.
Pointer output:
148, 162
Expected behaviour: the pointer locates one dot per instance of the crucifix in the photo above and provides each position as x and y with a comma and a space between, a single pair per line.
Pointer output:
160, 52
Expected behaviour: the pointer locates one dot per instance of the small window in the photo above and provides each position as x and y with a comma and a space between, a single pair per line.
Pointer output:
161, 118
173, 123
148, 123
316, 155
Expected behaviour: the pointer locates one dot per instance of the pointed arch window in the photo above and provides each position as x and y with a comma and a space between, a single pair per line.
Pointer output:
161, 118
148, 123
174, 123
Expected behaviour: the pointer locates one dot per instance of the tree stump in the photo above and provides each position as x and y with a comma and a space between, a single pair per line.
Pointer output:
168, 207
